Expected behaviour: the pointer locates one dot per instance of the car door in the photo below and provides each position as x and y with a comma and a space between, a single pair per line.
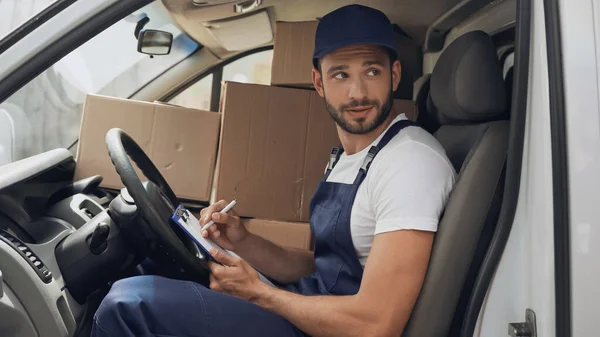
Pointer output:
578, 54
75, 49
544, 283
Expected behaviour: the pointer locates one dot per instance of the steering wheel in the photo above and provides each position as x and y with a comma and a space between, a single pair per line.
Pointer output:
156, 202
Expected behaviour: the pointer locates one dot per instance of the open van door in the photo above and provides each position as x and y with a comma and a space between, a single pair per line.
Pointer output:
545, 283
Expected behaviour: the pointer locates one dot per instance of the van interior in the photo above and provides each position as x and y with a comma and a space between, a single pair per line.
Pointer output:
75, 219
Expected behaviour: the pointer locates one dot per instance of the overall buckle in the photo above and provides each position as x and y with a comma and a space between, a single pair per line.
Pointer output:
370, 156
333, 157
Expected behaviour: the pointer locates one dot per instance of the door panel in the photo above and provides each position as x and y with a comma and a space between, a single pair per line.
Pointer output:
580, 29
525, 276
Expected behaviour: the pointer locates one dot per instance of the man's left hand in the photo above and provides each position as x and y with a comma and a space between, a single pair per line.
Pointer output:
235, 277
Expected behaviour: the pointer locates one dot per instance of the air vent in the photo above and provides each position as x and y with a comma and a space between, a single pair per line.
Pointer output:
34, 261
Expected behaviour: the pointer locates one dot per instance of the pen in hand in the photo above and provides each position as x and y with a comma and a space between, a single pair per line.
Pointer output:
224, 210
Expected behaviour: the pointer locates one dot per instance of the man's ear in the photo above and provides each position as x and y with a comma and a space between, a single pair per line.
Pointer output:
396, 74
317, 81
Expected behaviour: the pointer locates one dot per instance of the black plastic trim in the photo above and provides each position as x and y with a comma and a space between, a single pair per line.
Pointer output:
73, 39
215, 95
513, 168
436, 33
504, 36
33, 23
560, 173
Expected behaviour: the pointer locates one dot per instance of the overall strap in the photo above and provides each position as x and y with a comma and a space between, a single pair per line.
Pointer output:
336, 152
389, 134
334, 157
393, 131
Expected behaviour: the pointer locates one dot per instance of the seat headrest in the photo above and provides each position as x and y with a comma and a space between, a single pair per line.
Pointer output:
466, 84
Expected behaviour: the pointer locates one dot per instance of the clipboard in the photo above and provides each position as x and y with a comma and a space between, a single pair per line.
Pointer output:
188, 222
190, 225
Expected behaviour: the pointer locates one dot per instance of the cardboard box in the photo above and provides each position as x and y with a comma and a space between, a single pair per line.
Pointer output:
293, 49
181, 142
286, 234
292, 53
275, 143
407, 107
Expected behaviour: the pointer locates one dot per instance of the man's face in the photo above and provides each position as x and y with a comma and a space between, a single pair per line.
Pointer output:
357, 83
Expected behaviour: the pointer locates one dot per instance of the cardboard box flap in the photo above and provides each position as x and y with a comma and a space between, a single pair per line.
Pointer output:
292, 53
258, 150
181, 142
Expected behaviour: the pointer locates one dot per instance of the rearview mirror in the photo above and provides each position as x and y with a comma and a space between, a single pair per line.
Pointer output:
155, 42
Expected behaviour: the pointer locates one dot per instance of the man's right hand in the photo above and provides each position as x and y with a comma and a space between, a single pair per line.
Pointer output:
281, 264
228, 231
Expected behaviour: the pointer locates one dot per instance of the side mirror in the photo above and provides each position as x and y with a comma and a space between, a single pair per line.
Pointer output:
154, 42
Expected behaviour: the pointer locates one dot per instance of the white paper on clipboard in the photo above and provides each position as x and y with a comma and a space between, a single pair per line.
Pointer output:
190, 224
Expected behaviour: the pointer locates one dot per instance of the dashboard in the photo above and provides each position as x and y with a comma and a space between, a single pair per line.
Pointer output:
41, 208
31, 187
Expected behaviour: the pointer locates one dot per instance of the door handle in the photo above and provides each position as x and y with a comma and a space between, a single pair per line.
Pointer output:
524, 329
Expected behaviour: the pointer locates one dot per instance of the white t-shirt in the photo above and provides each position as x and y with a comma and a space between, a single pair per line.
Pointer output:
406, 187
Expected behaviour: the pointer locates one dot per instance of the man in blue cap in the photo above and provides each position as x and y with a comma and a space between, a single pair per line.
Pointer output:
373, 232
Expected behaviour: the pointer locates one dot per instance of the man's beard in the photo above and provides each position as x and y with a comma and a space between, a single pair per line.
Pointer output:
362, 127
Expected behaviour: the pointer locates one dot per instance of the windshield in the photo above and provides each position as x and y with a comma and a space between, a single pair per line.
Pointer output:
14, 13
46, 113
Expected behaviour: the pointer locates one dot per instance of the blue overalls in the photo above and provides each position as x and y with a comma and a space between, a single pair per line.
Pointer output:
151, 305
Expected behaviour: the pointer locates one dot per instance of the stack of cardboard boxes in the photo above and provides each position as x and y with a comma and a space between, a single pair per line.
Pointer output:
267, 147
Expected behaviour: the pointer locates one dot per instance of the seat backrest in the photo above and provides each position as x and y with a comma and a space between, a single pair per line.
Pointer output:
465, 108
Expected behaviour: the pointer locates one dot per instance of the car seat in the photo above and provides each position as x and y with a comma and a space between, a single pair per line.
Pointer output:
463, 104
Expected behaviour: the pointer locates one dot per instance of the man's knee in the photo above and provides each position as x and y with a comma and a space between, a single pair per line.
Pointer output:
122, 303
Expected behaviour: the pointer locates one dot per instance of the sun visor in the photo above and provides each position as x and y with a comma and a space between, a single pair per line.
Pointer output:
242, 33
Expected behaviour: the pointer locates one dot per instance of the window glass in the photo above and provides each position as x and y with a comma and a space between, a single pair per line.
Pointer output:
196, 96
14, 13
254, 68
46, 113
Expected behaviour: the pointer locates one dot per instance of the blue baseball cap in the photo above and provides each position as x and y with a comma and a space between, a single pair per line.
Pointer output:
353, 25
